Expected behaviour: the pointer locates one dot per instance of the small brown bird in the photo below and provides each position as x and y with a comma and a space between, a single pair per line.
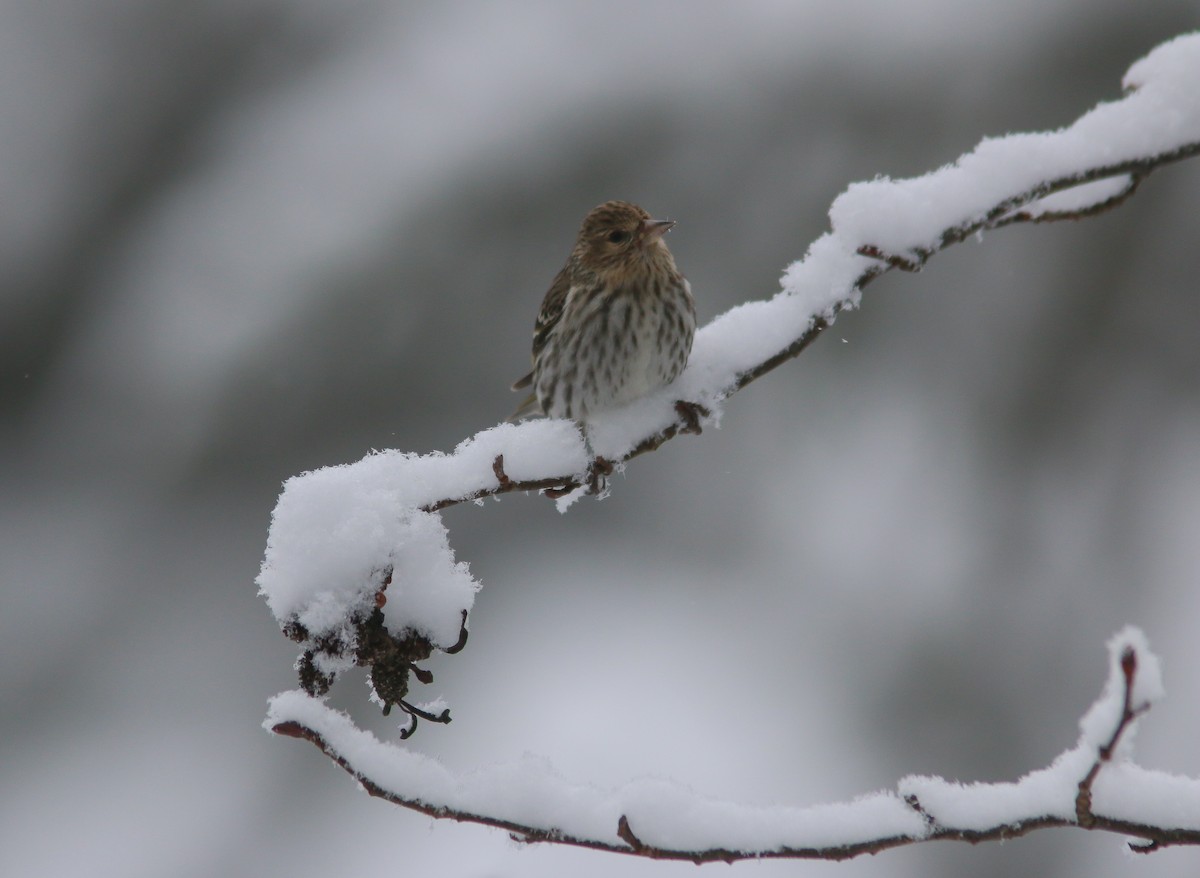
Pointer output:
616, 324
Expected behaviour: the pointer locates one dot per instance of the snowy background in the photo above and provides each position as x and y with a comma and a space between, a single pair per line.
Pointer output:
240, 240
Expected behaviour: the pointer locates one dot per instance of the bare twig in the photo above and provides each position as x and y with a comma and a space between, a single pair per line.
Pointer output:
1129, 712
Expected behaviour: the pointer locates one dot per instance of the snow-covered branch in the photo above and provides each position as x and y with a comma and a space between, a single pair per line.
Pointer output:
359, 571
1094, 785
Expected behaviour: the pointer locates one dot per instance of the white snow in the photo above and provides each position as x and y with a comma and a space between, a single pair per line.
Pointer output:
1125, 791
1048, 792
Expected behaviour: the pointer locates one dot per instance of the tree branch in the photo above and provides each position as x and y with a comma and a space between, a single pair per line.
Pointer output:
1075, 773
341, 535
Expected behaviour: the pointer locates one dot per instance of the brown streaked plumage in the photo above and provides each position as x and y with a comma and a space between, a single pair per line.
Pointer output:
617, 322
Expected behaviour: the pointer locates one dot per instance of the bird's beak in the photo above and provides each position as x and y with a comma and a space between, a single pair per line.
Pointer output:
654, 229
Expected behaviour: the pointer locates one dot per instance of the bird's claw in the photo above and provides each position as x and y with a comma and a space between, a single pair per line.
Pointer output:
597, 475
691, 414
556, 493
595, 479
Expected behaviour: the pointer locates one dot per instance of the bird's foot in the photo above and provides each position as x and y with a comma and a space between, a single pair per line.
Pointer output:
691, 413
595, 480
561, 491
597, 475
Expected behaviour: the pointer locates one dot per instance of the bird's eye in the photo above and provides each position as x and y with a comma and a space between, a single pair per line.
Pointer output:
618, 236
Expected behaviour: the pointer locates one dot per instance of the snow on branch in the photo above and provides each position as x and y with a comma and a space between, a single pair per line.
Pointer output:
1094, 785
358, 568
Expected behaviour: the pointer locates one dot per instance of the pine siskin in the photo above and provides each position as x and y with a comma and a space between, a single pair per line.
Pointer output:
616, 324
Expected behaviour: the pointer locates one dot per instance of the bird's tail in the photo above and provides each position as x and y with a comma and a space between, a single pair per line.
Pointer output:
530, 407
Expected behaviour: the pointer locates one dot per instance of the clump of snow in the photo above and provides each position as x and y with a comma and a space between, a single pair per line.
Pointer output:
532, 450
1124, 791
334, 533
667, 815
1165, 84
1048, 792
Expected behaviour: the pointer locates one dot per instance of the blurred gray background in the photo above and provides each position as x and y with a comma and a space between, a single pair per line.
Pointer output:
240, 239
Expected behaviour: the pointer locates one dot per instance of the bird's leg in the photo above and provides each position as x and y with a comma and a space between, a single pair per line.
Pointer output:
691, 413
599, 468
597, 475
594, 478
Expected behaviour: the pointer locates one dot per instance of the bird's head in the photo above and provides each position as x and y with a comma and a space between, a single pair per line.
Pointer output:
618, 235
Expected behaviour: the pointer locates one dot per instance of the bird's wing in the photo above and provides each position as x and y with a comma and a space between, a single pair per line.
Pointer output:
547, 319
551, 311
